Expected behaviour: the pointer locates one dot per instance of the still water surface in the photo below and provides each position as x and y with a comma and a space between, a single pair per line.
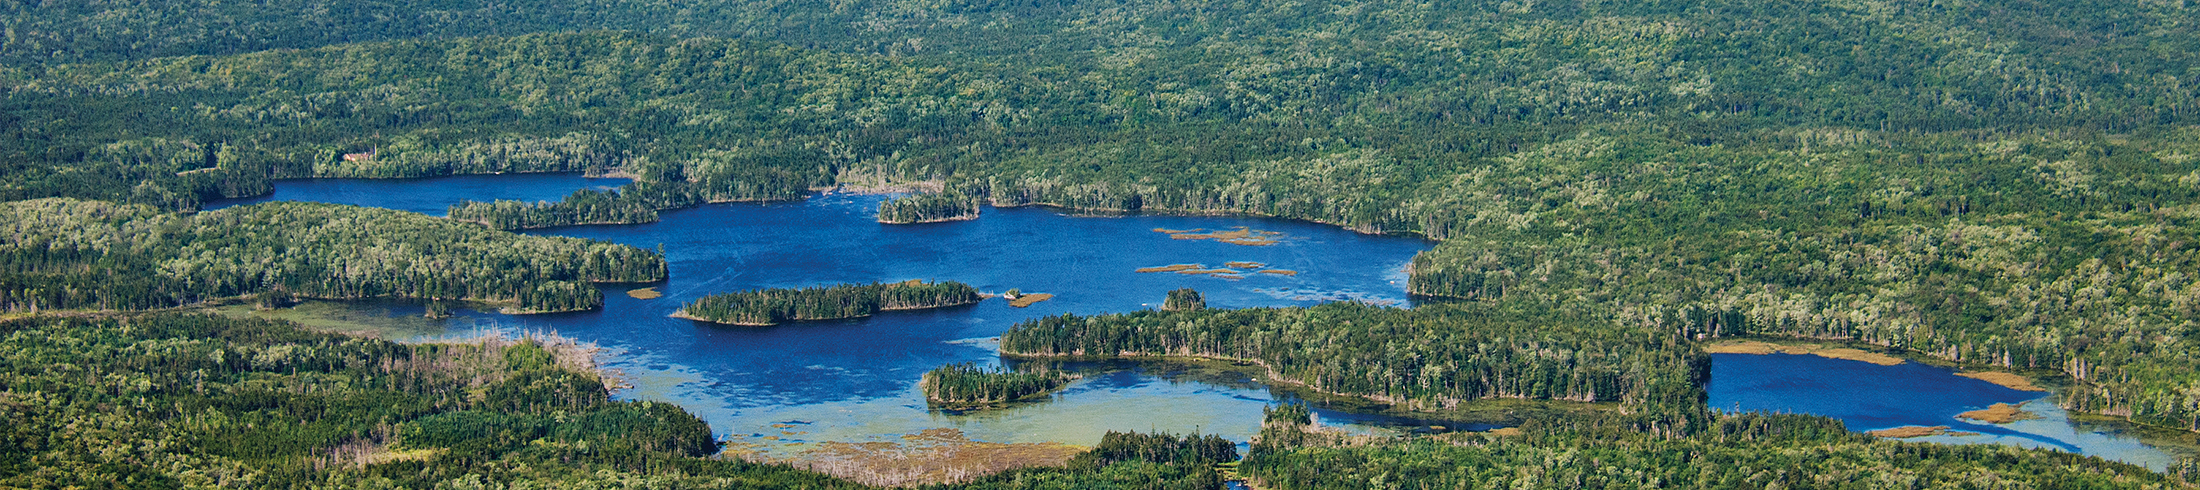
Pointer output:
1868, 396
855, 380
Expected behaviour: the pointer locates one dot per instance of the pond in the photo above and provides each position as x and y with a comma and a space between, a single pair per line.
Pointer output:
1868, 396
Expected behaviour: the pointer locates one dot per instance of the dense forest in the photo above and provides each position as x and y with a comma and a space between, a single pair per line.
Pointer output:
201, 401
1611, 451
2009, 184
966, 386
59, 254
774, 306
930, 207
1431, 357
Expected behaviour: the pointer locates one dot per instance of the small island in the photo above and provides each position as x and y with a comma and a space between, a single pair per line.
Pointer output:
966, 386
1184, 299
764, 307
928, 208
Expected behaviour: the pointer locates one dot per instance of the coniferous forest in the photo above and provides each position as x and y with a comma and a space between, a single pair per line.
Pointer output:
67, 254
2011, 184
928, 208
775, 306
964, 385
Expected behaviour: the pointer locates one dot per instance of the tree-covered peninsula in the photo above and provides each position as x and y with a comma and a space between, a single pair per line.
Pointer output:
966, 386
774, 306
1661, 449
66, 254
1431, 357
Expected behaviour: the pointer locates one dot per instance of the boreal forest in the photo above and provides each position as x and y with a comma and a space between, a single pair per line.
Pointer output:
1997, 185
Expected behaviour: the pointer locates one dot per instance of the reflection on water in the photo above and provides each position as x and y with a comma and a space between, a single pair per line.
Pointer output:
855, 380
1869, 397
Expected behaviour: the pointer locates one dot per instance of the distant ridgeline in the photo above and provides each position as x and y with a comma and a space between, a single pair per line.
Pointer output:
966, 386
65, 254
932, 207
774, 306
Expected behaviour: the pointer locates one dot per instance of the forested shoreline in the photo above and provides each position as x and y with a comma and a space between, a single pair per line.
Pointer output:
764, 307
2005, 184
1428, 358
65, 254
196, 401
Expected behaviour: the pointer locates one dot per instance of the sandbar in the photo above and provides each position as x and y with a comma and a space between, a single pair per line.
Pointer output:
1281, 272
1239, 264
2000, 413
1761, 348
1171, 268
1909, 431
2006, 380
644, 293
1241, 236
1210, 271
1029, 299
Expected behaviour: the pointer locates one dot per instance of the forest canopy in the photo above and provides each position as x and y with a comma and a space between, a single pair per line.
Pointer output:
69, 254
2010, 184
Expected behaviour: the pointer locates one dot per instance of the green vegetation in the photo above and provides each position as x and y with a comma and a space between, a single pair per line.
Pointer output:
965, 385
775, 306
928, 208
1128, 460
1184, 299
1614, 451
195, 401
2011, 184
69, 254
1431, 357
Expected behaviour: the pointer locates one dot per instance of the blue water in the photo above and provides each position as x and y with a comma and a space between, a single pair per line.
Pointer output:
430, 196
855, 380
1868, 396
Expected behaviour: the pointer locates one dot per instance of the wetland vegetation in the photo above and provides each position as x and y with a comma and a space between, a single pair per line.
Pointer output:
774, 306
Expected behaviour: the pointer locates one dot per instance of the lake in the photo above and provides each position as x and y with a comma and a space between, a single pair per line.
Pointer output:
855, 380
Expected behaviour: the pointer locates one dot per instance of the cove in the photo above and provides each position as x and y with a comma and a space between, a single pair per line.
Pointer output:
1868, 396
780, 389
